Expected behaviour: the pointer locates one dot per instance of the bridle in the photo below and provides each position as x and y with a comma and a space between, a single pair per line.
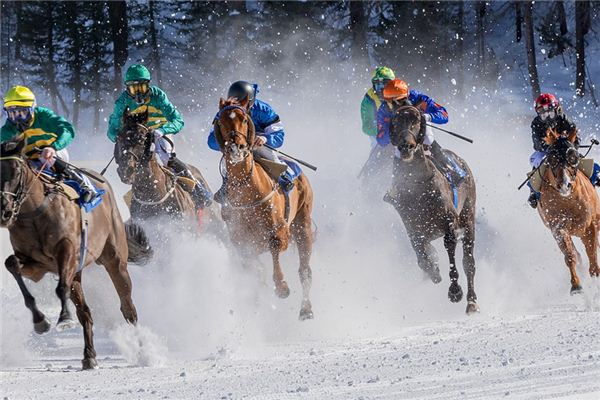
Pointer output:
233, 132
410, 132
571, 172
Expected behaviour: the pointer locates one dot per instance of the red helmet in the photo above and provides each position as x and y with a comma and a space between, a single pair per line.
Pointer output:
546, 101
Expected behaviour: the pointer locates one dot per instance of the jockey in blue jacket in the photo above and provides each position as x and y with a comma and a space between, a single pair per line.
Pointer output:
269, 130
396, 94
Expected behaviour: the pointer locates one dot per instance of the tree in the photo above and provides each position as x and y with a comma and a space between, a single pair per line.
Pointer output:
530, 47
582, 27
358, 26
117, 11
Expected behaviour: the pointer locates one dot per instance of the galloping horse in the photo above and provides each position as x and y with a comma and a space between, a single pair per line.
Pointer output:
46, 229
569, 204
429, 207
155, 190
255, 215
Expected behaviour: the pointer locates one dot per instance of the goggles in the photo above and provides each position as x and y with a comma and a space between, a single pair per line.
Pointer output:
546, 112
137, 88
18, 114
379, 84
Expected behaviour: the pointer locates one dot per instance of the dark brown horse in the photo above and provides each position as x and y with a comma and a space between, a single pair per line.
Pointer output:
569, 204
45, 229
255, 215
422, 196
156, 191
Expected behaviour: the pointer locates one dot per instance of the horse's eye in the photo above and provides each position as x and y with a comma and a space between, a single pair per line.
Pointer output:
245, 122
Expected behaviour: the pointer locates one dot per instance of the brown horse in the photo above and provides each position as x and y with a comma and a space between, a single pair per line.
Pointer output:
569, 204
255, 214
156, 191
423, 198
45, 229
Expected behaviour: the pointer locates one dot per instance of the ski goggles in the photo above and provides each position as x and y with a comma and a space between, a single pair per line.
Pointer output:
379, 84
136, 88
546, 112
18, 114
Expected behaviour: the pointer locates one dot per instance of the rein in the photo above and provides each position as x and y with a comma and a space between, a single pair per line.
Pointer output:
572, 176
21, 195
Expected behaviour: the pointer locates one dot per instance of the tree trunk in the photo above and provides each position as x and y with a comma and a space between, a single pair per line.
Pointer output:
562, 17
582, 25
480, 12
530, 46
117, 11
518, 20
18, 10
50, 72
156, 61
460, 50
358, 30
76, 65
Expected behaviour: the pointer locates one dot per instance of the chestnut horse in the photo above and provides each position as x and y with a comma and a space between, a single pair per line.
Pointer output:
45, 229
255, 213
423, 198
569, 204
156, 191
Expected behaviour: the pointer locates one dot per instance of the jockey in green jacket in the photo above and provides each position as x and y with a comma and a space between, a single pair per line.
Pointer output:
42, 130
163, 119
372, 101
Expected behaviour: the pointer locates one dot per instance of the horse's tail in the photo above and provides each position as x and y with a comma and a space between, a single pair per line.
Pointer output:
140, 251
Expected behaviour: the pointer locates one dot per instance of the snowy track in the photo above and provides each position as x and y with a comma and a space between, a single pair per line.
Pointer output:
554, 354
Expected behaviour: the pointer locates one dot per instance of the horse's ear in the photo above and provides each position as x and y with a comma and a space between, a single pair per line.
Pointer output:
244, 103
14, 146
221, 103
251, 132
422, 128
572, 136
550, 137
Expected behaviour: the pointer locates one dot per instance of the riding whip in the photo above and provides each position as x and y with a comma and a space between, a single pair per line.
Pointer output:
532, 172
293, 158
466, 139
105, 168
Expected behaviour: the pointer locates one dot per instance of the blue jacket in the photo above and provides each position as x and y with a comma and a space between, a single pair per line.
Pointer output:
439, 115
267, 124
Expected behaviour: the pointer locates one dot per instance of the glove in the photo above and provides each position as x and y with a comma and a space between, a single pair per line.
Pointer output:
157, 133
427, 117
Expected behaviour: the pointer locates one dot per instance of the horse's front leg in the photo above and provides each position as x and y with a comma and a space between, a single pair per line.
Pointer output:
67, 265
426, 257
455, 292
276, 245
565, 243
41, 324
590, 240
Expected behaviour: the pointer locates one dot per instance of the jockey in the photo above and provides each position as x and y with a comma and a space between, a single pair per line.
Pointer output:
396, 94
550, 115
42, 129
372, 101
163, 119
269, 130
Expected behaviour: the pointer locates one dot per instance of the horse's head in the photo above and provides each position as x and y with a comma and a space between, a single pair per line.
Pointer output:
12, 177
234, 130
563, 159
134, 146
407, 130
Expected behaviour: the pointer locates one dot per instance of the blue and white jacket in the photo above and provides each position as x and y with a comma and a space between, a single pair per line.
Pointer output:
267, 124
438, 114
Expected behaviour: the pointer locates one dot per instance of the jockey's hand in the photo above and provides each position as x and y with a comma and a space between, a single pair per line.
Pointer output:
260, 141
157, 134
427, 117
48, 154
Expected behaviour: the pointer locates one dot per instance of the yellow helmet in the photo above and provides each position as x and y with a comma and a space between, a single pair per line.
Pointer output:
19, 96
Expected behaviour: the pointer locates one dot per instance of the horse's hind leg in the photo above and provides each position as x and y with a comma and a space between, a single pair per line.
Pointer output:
590, 240
565, 243
41, 324
455, 292
301, 230
427, 258
66, 271
84, 315
469, 266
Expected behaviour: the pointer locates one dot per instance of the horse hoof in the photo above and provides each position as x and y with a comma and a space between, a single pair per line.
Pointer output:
472, 308
576, 290
42, 327
435, 277
89, 363
65, 324
455, 293
282, 291
306, 314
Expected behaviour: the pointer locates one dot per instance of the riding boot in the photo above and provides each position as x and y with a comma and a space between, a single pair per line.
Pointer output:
286, 181
200, 193
392, 193
446, 164
221, 195
87, 194
534, 196
596, 175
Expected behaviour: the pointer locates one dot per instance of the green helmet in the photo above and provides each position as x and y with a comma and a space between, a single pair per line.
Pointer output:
137, 72
383, 73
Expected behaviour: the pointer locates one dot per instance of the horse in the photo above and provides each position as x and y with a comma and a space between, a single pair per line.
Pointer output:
156, 191
422, 196
569, 204
47, 234
255, 214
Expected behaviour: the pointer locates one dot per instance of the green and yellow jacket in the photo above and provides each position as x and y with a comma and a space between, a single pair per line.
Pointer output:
368, 112
46, 129
161, 113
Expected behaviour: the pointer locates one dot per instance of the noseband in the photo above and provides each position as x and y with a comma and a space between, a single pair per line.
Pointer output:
246, 152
